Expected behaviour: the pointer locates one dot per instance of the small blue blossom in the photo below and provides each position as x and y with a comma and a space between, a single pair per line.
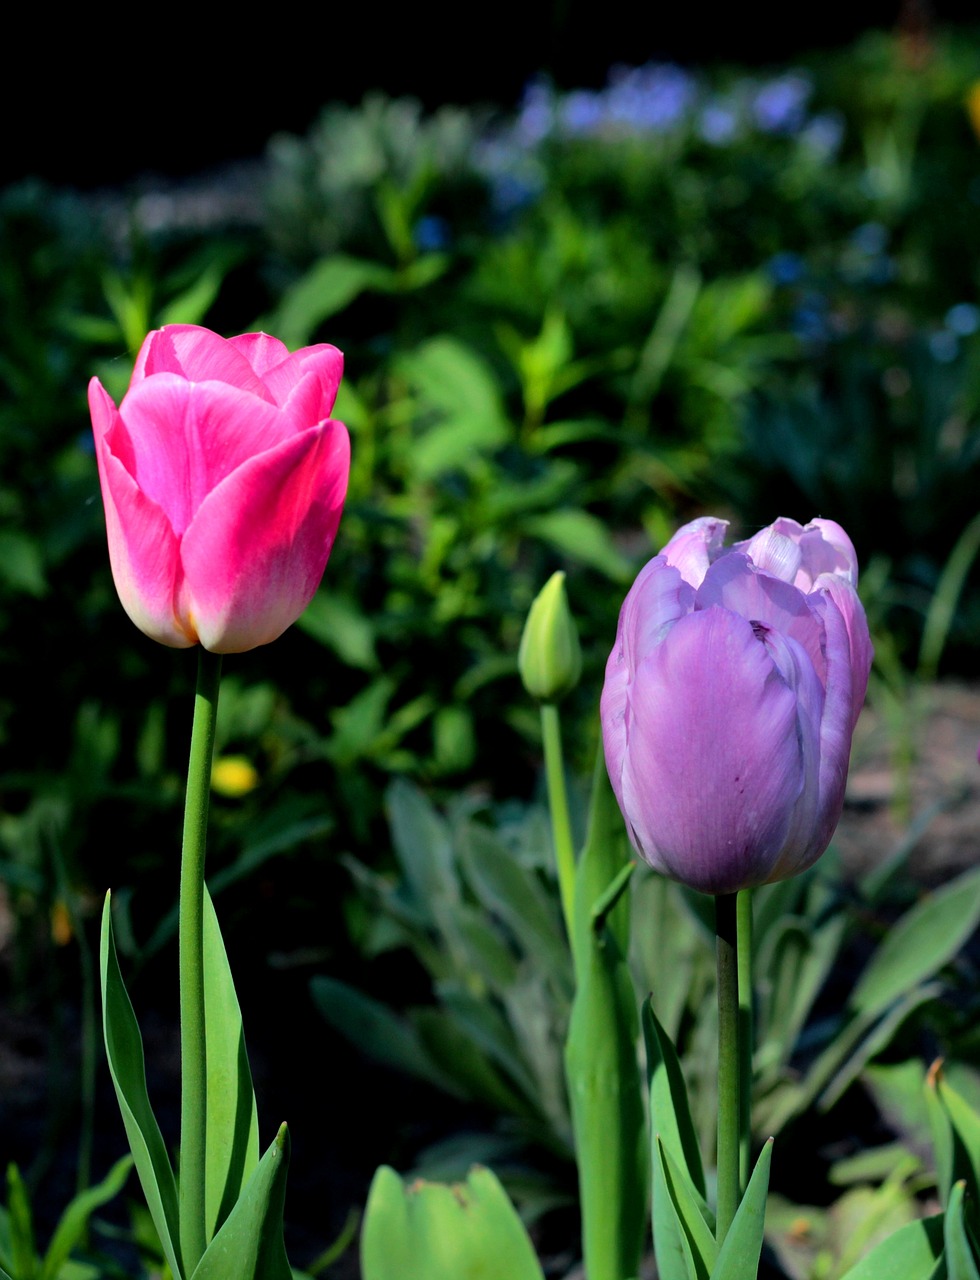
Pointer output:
786, 268
870, 238
780, 105
718, 123
963, 319
944, 346
582, 112
537, 113
824, 134
655, 97
432, 233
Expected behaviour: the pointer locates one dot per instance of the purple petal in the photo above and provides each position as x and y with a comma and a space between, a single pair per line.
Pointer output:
695, 546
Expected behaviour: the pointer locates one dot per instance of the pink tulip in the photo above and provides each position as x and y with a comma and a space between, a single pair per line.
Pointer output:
730, 698
223, 478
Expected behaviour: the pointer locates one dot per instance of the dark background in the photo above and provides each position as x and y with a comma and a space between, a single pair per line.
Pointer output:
90, 99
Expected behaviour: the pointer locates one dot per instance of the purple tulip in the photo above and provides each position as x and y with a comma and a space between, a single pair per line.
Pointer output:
730, 698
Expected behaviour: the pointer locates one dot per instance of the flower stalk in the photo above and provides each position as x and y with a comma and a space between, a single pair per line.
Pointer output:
729, 1064
193, 1044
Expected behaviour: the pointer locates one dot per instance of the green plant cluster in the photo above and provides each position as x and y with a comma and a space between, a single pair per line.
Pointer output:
567, 328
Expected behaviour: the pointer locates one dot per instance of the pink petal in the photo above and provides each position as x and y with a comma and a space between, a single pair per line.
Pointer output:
185, 437
695, 546
860, 651
255, 552
261, 351
143, 549
198, 355
714, 765
776, 550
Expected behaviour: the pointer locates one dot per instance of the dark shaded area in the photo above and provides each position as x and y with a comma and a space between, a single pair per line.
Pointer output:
99, 103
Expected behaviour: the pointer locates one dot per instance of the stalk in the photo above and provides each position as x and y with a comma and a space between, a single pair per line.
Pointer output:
561, 825
745, 1029
729, 1186
193, 1044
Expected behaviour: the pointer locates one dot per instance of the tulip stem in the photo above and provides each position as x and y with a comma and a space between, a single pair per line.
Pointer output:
729, 1185
745, 1030
193, 1043
561, 825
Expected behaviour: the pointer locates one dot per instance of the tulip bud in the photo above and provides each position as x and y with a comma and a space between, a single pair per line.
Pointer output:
550, 657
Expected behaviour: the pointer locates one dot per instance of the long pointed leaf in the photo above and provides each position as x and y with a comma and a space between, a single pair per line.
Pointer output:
740, 1254
73, 1222
960, 1262
124, 1049
232, 1141
692, 1213
670, 1110
249, 1244
675, 1258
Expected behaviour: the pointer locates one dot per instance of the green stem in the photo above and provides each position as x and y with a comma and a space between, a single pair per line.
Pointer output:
729, 1187
193, 1047
745, 1031
561, 825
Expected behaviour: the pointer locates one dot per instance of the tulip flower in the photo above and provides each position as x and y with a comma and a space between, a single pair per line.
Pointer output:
223, 478
730, 699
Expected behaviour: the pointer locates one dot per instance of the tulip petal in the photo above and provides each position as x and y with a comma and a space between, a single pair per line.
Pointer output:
713, 766
283, 372
198, 355
860, 648
735, 584
775, 550
143, 549
695, 546
255, 551
184, 438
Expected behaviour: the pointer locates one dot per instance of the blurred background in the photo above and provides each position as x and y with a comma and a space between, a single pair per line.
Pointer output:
591, 279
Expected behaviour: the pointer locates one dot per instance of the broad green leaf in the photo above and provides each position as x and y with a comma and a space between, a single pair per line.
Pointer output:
515, 894
335, 620
582, 537
920, 943
459, 1056
74, 1221
329, 286
960, 1262
423, 845
232, 1136
670, 1111
742, 1248
249, 1244
124, 1049
692, 1213
600, 1054
911, 1253
428, 1231
377, 1031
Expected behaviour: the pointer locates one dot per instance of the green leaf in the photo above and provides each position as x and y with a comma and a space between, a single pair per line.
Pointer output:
249, 1245
428, 1231
955, 1128
74, 1221
922, 941
960, 1262
335, 620
377, 1031
693, 1215
742, 1248
670, 1110
423, 846
124, 1049
232, 1136
329, 286
21, 1223
911, 1253
672, 1248
582, 537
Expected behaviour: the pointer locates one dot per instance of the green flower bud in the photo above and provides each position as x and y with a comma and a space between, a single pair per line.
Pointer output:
550, 658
